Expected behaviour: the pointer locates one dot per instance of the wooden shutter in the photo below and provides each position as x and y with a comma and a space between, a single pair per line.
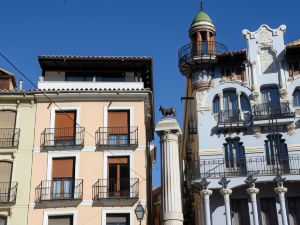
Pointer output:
4, 83
60, 220
7, 118
118, 122
63, 168
65, 123
5, 171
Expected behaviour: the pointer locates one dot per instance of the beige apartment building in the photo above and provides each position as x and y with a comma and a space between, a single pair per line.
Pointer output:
17, 118
91, 155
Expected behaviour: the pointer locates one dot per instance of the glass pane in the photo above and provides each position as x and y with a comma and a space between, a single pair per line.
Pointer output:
2, 221
230, 101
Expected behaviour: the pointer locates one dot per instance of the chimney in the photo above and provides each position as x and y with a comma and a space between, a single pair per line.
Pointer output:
21, 85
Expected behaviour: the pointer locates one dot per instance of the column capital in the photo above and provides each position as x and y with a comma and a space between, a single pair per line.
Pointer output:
167, 126
280, 190
220, 95
238, 93
226, 191
206, 192
252, 190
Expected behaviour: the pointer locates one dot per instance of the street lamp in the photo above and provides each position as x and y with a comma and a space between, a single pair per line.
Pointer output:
139, 212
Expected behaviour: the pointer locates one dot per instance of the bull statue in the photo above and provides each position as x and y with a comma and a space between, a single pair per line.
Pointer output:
167, 111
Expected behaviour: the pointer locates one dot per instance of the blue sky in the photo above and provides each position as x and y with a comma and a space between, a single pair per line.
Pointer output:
133, 27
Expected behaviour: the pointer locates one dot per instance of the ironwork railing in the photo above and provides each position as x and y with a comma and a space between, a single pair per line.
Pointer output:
200, 49
189, 146
267, 111
192, 125
116, 188
230, 117
59, 189
55, 137
117, 137
258, 166
9, 137
8, 192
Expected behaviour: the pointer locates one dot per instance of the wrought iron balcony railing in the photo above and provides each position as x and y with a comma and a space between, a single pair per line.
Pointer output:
233, 118
117, 137
8, 192
56, 137
116, 189
266, 111
192, 125
59, 189
200, 49
258, 166
9, 137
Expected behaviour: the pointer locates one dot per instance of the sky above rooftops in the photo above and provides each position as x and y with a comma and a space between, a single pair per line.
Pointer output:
135, 28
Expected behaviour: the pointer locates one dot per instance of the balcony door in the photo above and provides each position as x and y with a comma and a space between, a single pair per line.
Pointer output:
118, 177
235, 157
270, 98
294, 210
60, 220
117, 219
230, 103
65, 128
118, 127
7, 128
240, 212
63, 173
268, 211
5, 180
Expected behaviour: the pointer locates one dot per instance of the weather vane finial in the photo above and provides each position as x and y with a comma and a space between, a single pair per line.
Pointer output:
202, 5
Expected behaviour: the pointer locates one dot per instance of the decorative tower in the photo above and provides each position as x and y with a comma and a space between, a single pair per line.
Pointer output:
197, 59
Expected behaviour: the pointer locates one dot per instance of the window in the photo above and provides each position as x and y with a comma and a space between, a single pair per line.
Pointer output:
118, 127
4, 83
240, 212
118, 174
230, 101
63, 173
5, 180
216, 105
294, 210
234, 154
270, 97
296, 98
117, 219
65, 128
245, 104
268, 211
78, 76
60, 220
294, 68
3, 221
277, 151
7, 128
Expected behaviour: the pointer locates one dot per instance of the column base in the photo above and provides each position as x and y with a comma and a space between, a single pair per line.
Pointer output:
172, 218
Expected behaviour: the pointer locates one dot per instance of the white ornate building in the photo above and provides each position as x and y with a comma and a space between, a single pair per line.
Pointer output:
241, 138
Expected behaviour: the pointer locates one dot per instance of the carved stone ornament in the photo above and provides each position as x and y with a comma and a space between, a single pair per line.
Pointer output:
264, 36
255, 95
251, 181
200, 97
283, 94
267, 61
224, 182
279, 180
256, 130
204, 184
291, 129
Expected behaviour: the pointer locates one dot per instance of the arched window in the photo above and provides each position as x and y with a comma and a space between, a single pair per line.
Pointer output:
216, 105
296, 98
245, 104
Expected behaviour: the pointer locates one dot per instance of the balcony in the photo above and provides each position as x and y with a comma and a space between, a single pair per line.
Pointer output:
116, 192
63, 137
8, 193
233, 119
59, 192
258, 166
195, 53
117, 137
192, 125
264, 114
9, 137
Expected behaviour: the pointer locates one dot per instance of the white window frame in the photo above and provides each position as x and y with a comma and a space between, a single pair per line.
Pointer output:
118, 211
59, 213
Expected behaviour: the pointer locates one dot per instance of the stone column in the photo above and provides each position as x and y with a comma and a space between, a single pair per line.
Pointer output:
221, 101
254, 78
252, 191
238, 95
281, 190
168, 130
205, 194
226, 192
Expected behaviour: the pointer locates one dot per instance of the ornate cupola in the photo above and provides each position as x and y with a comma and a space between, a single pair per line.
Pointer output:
197, 59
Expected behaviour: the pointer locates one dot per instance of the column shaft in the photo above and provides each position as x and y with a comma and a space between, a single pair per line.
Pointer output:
226, 193
252, 192
281, 192
206, 194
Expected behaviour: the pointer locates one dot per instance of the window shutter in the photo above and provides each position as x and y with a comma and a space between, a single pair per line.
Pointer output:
118, 122
5, 171
60, 220
226, 155
63, 168
7, 118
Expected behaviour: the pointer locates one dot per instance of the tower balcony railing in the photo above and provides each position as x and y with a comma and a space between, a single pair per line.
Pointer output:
200, 50
233, 119
8, 192
117, 137
267, 111
59, 189
258, 166
62, 137
9, 137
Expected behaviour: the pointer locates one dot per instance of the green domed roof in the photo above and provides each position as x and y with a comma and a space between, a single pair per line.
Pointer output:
201, 16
